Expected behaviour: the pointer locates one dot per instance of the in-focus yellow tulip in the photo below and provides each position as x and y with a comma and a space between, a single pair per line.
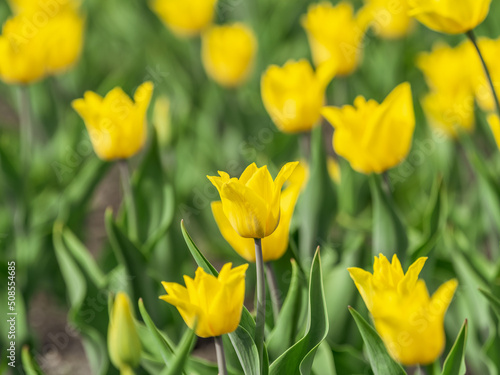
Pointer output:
334, 33
275, 245
408, 320
448, 72
294, 94
215, 302
252, 203
490, 50
494, 123
186, 17
450, 16
374, 137
124, 344
40, 39
117, 126
228, 53
388, 18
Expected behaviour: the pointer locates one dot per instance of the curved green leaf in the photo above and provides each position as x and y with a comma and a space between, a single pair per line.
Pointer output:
380, 360
454, 363
299, 358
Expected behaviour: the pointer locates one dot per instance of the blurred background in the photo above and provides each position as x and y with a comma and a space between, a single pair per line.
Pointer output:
198, 127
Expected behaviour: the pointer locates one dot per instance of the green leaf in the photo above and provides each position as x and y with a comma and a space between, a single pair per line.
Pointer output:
182, 353
494, 301
380, 360
283, 335
73, 277
389, 233
167, 218
454, 363
324, 362
246, 350
82, 256
316, 211
299, 358
29, 364
162, 345
134, 262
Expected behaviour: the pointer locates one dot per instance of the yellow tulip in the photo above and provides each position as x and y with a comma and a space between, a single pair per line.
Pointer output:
335, 34
490, 50
494, 123
374, 137
252, 203
409, 321
228, 53
388, 18
450, 104
40, 39
275, 245
450, 16
294, 94
214, 302
451, 112
116, 125
124, 345
185, 17
22, 59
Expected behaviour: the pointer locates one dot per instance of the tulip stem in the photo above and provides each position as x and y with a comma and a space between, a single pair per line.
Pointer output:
275, 292
221, 357
261, 299
129, 199
472, 37
25, 126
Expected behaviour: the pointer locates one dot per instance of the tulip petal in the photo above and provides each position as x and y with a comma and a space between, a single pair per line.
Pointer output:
243, 246
408, 283
441, 299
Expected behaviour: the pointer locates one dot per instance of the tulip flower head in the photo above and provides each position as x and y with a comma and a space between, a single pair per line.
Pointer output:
274, 245
450, 104
294, 94
215, 303
228, 53
185, 17
450, 16
335, 34
116, 125
124, 344
389, 19
32, 49
374, 137
409, 321
252, 202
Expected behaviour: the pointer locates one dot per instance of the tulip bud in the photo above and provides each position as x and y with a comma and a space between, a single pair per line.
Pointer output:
124, 345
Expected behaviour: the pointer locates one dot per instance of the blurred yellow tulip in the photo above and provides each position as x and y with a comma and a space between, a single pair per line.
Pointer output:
374, 137
409, 321
124, 344
333, 169
252, 203
335, 34
275, 245
185, 17
388, 18
117, 126
294, 94
450, 104
214, 302
228, 53
39, 40
494, 122
490, 49
450, 16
